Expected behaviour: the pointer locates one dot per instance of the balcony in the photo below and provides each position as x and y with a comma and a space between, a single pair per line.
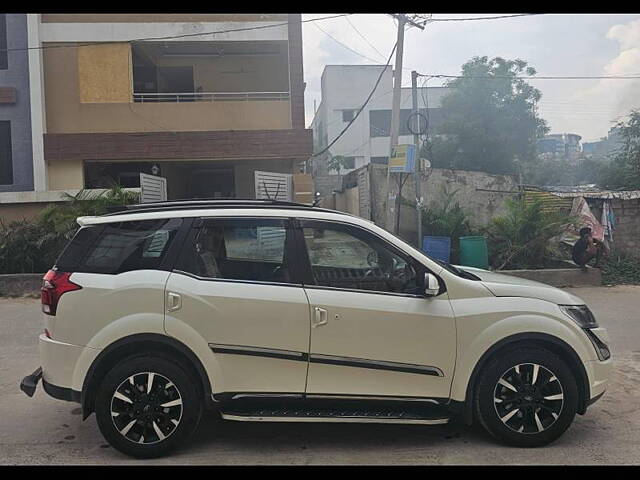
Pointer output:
193, 86
210, 97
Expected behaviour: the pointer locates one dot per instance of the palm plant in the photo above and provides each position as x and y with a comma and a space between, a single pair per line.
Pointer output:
522, 237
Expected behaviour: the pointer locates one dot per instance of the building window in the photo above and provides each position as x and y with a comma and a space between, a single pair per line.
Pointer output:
105, 175
6, 162
347, 115
4, 57
380, 160
349, 163
380, 121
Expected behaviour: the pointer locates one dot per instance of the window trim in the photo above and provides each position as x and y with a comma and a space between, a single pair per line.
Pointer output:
4, 43
290, 249
309, 280
11, 173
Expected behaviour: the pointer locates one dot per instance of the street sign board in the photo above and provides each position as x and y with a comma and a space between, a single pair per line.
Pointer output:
403, 159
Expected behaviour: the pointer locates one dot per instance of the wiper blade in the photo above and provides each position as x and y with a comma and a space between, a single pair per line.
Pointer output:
457, 271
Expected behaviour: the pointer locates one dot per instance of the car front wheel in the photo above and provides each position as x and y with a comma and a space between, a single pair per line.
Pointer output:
526, 397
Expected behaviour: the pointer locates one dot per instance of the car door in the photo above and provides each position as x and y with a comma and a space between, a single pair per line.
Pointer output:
236, 286
374, 332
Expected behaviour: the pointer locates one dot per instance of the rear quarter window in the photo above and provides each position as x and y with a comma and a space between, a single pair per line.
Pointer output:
119, 247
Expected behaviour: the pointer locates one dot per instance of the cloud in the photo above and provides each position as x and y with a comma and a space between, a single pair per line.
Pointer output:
622, 95
628, 35
582, 45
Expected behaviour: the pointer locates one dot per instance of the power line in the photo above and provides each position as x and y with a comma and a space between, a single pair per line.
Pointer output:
170, 37
363, 37
344, 45
481, 18
361, 108
532, 77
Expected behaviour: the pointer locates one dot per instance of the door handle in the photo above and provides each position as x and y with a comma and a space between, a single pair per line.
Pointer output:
174, 302
320, 317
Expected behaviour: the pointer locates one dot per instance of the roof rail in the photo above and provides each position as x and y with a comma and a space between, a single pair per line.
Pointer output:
209, 203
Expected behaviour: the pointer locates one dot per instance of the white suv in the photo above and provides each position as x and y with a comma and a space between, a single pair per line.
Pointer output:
273, 311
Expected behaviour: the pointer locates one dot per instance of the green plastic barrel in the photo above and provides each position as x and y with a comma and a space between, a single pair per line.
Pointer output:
473, 252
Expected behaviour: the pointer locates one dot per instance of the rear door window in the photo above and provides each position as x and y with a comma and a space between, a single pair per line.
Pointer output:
240, 249
119, 247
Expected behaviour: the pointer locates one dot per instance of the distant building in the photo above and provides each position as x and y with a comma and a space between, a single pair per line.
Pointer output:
344, 90
606, 145
560, 145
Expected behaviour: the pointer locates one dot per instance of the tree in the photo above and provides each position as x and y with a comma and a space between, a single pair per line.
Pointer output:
490, 121
624, 169
338, 163
551, 171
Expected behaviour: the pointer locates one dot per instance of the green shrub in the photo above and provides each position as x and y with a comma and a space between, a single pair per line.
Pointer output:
25, 247
32, 246
522, 237
622, 267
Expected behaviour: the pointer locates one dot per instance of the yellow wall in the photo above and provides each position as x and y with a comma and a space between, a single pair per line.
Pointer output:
65, 174
66, 114
18, 211
104, 73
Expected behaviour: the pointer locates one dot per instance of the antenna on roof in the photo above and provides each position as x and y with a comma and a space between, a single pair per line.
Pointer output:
277, 190
266, 190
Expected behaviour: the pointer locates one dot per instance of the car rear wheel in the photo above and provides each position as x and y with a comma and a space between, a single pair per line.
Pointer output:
147, 406
526, 397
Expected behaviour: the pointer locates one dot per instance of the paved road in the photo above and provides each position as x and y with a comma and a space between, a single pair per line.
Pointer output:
42, 430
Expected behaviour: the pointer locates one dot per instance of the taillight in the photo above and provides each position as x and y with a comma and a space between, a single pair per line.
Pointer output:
54, 284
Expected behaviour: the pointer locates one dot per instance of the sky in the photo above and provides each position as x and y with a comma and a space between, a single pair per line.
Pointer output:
554, 44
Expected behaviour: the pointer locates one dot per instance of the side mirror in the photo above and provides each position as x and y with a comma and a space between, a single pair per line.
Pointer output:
431, 285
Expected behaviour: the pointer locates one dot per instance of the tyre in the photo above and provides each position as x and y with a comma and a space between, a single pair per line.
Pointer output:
147, 406
526, 397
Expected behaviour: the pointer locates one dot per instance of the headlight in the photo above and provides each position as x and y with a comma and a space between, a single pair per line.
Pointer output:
580, 314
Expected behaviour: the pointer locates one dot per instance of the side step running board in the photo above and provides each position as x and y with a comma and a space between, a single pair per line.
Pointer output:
312, 415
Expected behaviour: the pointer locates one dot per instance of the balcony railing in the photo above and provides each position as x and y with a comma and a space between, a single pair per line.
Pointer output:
209, 97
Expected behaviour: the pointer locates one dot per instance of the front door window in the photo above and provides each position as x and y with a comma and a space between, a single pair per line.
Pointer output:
350, 258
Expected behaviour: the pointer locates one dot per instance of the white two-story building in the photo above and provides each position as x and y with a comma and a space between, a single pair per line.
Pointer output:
344, 89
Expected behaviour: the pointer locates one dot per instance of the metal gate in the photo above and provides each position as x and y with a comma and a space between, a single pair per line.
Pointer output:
152, 188
274, 186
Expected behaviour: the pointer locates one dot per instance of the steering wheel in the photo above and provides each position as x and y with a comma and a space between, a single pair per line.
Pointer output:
399, 275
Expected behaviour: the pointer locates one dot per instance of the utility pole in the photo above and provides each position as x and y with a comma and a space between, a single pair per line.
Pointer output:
416, 142
395, 121
395, 117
